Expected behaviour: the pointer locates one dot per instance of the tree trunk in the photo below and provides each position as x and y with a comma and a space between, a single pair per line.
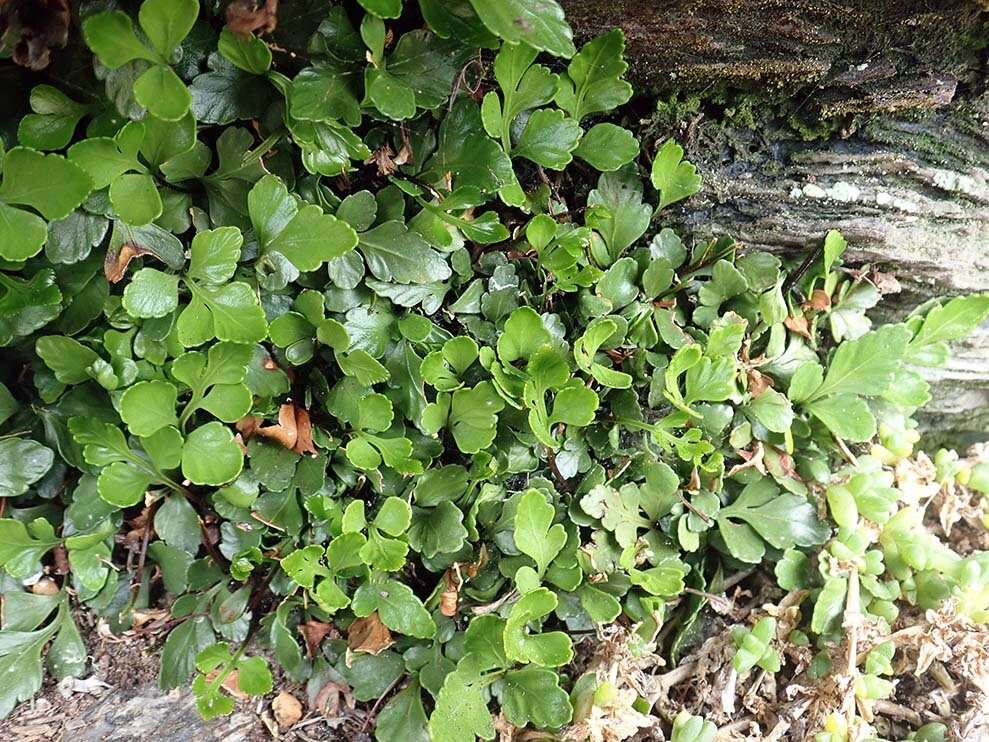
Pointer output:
867, 116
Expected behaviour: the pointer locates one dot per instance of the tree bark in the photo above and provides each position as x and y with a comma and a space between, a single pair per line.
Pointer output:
867, 116
856, 55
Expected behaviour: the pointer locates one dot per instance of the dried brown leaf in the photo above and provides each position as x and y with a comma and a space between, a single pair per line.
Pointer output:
303, 443
314, 632
285, 431
819, 300
252, 16
32, 28
758, 382
798, 325
293, 430
369, 635
115, 263
287, 709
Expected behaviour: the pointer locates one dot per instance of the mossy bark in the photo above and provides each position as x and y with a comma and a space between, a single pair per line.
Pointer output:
867, 116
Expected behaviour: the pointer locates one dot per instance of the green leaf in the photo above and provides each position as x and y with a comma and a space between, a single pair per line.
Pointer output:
22, 463
123, 484
672, 176
437, 530
312, 238
533, 695
845, 415
178, 524
950, 321
784, 520
397, 606
167, 22
383, 8
135, 198
773, 410
805, 381
67, 358
607, 147
178, 655
538, 23
21, 549
549, 649
442, 484
304, 565
690, 728
394, 516
163, 93
248, 52
548, 139
20, 656
149, 406
461, 713
829, 604
865, 366
394, 98
67, 654
617, 211
111, 37
325, 93
49, 184
522, 335
214, 254
151, 293
474, 417
593, 81
394, 253
534, 533
253, 676
54, 120
403, 718
834, 247
230, 312
22, 234
306, 236
211, 455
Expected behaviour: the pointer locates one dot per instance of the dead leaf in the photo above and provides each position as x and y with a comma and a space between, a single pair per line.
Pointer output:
758, 382
752, 460
252, 16
819, 300
45, 586
304, 443
147, 615
92, 686
798, 325
386, 159
115, 263
450, 597
314, 632
229, 683
885, 282
454, 578
287, 709
369, 635
285, 432
328, 699
247, 426
293, 430
694, 484
61, 558
32, 28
